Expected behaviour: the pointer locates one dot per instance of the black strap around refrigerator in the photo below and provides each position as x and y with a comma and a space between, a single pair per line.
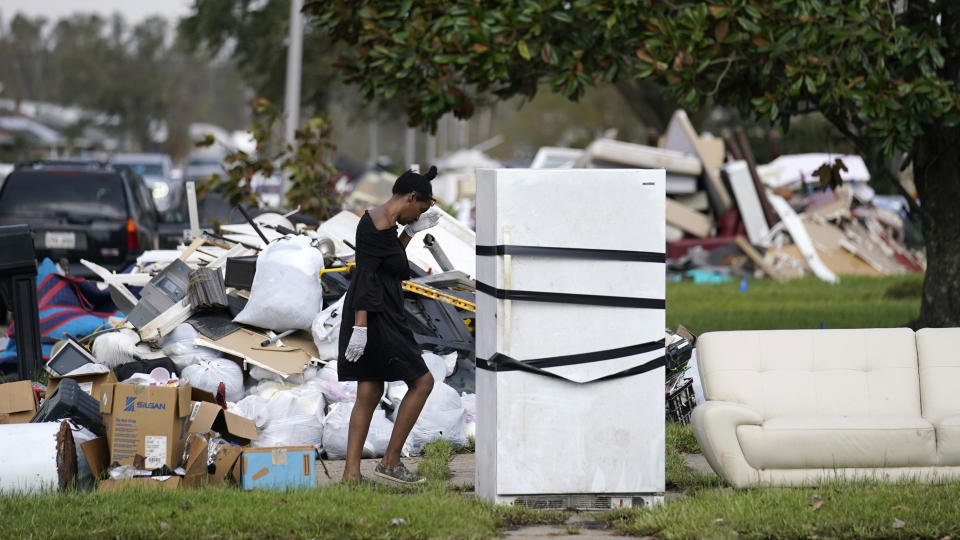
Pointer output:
569, 298
574, 253
502, 362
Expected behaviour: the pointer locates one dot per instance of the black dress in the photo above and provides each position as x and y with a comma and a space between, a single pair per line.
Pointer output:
391, 353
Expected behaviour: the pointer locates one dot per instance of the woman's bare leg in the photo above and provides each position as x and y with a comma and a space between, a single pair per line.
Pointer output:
410, 407
368, 397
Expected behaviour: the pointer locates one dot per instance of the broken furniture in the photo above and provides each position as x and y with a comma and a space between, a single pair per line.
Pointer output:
18, 287
800, 407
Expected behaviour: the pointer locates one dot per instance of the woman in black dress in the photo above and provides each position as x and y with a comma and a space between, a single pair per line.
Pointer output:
375, 343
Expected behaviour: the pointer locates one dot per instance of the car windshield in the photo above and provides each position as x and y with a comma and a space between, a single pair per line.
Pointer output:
69, 193
146, 169
203, 163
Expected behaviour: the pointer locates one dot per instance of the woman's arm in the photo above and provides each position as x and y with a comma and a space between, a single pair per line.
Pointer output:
361, 318
405, 238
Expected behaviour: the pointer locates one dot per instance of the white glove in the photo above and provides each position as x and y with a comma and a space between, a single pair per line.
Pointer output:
424, 222
358, 341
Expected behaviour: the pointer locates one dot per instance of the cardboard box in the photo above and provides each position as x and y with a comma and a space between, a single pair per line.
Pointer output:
196, 462
226, 465
97, 454
150, 421
207, 416
159, 483
18, 402
89, 383
278, 467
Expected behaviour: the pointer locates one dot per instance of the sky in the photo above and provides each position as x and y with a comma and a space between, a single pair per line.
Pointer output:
132, 10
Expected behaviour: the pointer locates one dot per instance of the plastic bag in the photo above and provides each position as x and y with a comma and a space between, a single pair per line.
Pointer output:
442, 418
209, 373
326, 331
469, 402
440, 367
178, 346
286, 291
334, 390
337, 427
287, 415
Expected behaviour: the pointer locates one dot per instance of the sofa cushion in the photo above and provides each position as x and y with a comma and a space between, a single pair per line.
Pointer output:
856, 372
799, 442
938, 355
948, 440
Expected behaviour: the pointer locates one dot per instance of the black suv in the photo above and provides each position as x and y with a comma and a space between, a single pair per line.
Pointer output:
81, 210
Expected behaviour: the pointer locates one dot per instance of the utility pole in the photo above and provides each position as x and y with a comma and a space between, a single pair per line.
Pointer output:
292, 93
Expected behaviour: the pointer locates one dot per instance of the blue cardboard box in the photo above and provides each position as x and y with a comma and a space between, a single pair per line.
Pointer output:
277, 468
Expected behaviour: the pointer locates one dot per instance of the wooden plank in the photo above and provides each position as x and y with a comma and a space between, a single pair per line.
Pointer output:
714, 151
748, 202
672, 139
197, 242
747, 153
757, 259
688, 220
639, 155
164, 323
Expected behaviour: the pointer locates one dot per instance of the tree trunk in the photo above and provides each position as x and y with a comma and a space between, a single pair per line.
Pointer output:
936, 168
652, 107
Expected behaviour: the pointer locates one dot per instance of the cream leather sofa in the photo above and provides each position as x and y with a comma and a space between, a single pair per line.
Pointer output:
796, 407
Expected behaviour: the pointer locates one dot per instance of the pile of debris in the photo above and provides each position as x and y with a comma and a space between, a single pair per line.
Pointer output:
228, 347
728, 217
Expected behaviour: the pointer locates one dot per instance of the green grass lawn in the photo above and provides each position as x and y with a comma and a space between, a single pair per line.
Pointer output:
860, 509
855, 302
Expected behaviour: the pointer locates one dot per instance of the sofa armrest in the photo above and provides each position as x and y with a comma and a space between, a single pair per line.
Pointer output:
715, 425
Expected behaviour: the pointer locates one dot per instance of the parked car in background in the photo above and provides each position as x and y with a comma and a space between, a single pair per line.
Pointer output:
202, 165
157, 171
82, 210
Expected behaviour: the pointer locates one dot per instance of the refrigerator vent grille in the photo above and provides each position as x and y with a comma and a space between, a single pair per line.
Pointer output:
561, 502
586, 502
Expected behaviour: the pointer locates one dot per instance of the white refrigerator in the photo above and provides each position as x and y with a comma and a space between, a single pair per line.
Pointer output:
569, 337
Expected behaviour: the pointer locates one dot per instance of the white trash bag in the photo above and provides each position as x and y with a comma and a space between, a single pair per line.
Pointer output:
178, 346
337, 426
334, 390
442, 418
469, 402
207, 374
286, 291
326, 331
286, 415
440, 367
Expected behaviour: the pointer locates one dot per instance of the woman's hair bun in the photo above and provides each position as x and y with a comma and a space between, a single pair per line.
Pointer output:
432, 173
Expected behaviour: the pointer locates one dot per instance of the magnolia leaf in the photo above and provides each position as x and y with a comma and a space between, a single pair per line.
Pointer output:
523, 49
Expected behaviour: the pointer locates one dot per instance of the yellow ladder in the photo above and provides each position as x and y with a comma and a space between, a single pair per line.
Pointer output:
422, 290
